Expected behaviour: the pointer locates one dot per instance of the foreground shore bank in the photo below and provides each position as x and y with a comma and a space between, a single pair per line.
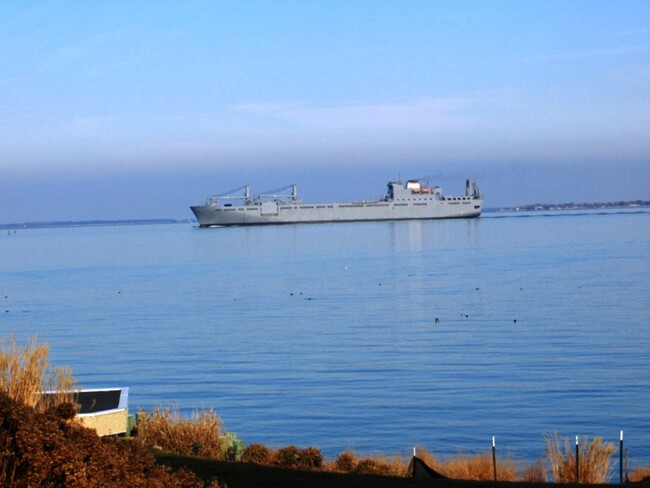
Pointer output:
248, 475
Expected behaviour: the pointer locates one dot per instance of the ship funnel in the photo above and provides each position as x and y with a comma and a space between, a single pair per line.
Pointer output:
471, 189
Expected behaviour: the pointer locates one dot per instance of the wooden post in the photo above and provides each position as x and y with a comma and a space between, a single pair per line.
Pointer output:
494, 456
577, 461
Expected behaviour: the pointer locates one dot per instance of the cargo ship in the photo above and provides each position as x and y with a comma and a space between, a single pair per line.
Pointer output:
412, 200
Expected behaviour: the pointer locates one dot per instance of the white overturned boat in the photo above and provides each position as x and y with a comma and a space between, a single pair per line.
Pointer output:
410, 201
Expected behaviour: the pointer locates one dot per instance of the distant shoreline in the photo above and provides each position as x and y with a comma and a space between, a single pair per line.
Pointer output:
537, 207
91, 223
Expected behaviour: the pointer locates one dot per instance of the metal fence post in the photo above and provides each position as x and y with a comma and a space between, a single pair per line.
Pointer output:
577, 461
494, 456
620, 460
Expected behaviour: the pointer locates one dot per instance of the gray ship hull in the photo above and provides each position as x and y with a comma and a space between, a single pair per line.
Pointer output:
208, 215
401, 204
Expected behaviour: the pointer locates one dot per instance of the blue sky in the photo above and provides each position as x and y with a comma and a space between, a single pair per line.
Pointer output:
128, 109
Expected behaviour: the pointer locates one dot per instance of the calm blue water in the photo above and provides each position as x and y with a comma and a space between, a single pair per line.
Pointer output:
325, 334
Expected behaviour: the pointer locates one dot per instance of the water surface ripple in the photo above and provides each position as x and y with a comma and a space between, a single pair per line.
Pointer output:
374, 337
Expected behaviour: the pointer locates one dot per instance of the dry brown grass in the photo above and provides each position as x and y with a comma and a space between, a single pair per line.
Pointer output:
22, 370
639, 474
534, 473
198, 435
349, 462
594, 464
461, 467
24, 375
480, 467
393, 466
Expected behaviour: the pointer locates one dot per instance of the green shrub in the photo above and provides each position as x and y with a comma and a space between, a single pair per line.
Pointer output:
232, 447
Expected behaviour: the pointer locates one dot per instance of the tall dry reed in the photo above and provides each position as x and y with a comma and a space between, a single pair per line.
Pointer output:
166, 428
22, 370
24, 375
594, 460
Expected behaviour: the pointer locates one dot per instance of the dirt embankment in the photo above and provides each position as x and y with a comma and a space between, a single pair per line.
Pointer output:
246, 475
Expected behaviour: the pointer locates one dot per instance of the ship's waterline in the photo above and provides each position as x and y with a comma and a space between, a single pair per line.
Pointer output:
410, 201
